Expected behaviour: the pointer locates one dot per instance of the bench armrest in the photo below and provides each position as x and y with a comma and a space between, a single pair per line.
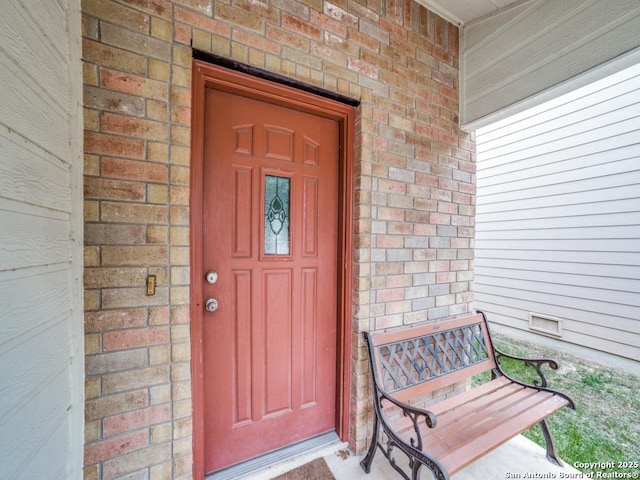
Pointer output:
415, 414
536, 363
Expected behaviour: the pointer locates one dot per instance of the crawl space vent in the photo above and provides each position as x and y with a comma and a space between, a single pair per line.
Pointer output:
545, 324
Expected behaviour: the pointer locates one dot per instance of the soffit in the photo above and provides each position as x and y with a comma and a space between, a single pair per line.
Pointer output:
462, 12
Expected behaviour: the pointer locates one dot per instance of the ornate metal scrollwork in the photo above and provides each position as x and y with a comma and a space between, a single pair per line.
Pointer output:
536, 363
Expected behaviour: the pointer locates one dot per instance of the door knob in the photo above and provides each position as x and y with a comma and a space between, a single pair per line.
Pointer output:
211, 305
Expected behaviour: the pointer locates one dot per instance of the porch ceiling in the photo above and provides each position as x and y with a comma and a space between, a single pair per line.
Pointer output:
462, 12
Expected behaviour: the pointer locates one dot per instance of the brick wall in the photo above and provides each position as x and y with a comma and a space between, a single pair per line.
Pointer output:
415, 190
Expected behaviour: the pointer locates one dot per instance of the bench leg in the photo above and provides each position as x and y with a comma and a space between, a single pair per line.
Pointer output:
552, 455
368, 459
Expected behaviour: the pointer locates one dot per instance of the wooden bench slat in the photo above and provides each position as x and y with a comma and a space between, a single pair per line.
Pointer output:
460, 422
464, 403
478, 446
454, 435
485, 390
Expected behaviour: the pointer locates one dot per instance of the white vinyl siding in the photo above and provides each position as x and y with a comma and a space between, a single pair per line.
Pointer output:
540, 48
41, 342
558, 216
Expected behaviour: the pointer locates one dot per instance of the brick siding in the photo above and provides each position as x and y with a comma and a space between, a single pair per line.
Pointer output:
414, 198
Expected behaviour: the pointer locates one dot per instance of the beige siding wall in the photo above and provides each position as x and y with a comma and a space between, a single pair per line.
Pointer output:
558, 230
414, 198
542, 48
41, 408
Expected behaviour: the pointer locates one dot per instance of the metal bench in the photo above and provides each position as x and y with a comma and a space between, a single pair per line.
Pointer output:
411, 364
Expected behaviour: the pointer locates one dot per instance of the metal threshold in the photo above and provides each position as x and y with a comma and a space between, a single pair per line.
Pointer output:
264, 461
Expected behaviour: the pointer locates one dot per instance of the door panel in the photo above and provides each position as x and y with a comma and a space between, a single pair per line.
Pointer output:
270, 231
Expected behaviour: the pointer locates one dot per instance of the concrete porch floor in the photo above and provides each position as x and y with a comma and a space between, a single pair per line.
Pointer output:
514, 459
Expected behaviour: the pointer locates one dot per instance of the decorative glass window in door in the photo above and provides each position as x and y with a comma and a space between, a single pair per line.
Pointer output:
276, 212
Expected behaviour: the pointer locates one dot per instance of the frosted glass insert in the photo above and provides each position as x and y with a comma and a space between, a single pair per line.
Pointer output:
276, 212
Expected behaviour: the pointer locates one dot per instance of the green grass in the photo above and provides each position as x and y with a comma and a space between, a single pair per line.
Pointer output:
605, 427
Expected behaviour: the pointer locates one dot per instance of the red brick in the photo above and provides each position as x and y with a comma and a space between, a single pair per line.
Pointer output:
106, 449
135, 127
328, 24
138, 460
114, 319
299, 25
100, 188
133, 84
286, 37
207, 24
182, 34
339, 14
363, 40
160, 8
135, 337
133, 170
115, 404
389, 295
133, 212
389, 241
137, 419
256, 41
262, 9
135, 379
440, 218
102, 144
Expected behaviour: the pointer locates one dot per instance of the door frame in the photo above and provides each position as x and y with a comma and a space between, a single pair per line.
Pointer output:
206, 75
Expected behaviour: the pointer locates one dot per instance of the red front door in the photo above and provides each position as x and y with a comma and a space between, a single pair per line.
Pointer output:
270, 232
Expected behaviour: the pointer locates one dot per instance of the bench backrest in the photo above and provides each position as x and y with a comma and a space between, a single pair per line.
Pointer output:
439, 354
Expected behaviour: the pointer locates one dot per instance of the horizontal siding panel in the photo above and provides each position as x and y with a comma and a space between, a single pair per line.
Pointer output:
626, 192
603, 146
579, 186
22, 100
621, 299
631, 218
28, 367
54, 446
585, 209
624, 156
31, 44
559, 233
585, 142
570, 129
577, 337
35, 429
606, 272
32, 240
560, 279
582, 319
531, 301
631, 246
612, 258
32, 176
37, 297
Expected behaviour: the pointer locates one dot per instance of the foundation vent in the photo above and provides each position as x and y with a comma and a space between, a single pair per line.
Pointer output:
545, 324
